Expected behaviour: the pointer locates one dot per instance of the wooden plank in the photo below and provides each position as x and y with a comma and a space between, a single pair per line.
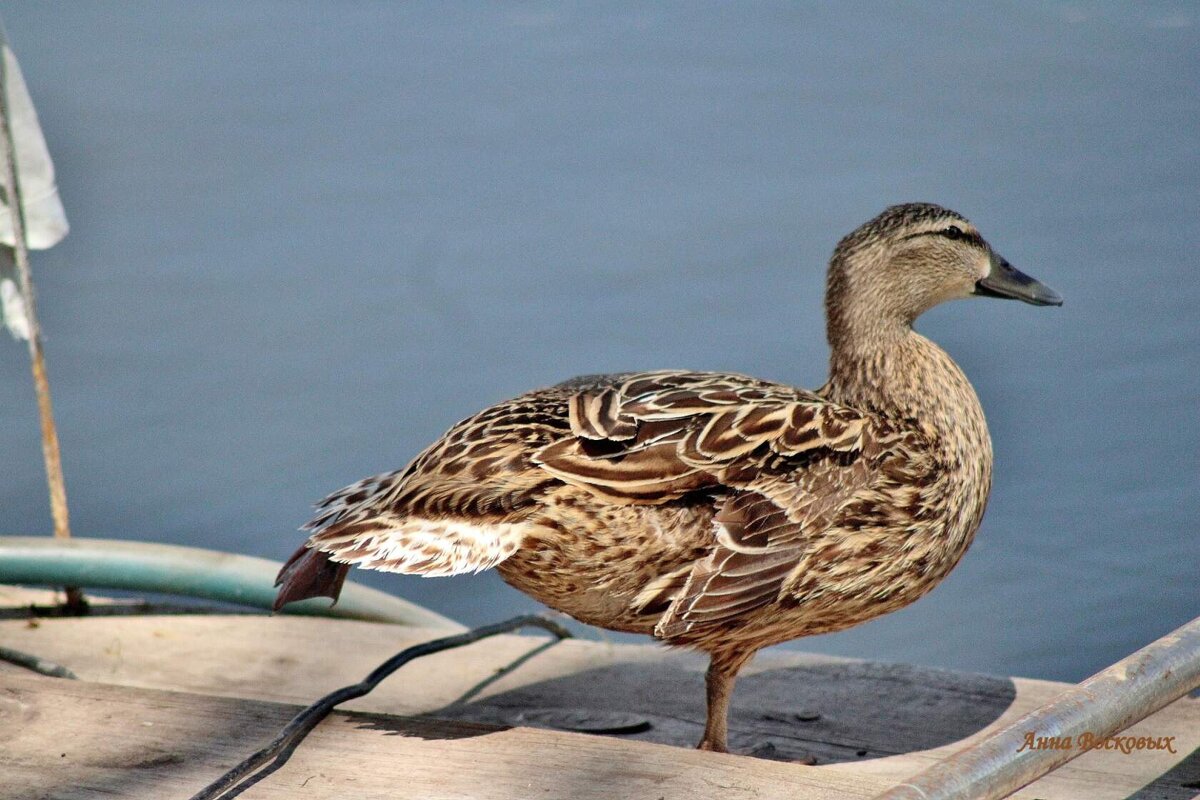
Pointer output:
70, 740
877, 720
17, 596
20, 598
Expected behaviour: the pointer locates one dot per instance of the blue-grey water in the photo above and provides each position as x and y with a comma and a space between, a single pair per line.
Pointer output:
307, 237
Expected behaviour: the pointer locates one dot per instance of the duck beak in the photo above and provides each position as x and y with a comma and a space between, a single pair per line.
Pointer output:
1005, 280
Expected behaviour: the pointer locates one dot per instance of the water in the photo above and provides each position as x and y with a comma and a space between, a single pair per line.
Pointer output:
308, 237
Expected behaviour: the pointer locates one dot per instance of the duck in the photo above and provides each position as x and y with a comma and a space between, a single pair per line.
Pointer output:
714, 511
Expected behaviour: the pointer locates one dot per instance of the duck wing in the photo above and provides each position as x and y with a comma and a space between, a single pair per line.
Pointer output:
780, 462
458, 507
655, 437
783, 465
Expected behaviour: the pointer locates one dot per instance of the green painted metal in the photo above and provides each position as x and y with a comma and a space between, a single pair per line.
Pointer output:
191, 572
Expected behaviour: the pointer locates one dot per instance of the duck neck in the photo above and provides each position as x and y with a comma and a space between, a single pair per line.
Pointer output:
893, 371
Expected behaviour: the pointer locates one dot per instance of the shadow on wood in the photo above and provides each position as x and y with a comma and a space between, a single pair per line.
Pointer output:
146, 744
824, 714
423, 728
1182, 782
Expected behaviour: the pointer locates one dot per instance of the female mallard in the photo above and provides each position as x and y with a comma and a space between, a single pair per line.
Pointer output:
715, 511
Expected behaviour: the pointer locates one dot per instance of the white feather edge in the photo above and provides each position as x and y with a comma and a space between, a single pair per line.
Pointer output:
432, 548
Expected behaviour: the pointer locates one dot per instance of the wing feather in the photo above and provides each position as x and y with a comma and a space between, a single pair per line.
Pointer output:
679, 432
782, 461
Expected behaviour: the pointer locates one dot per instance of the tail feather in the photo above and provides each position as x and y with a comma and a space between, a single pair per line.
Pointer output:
417, 546
309, 573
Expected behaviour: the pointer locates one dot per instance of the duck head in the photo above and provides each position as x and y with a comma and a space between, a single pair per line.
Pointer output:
910, 258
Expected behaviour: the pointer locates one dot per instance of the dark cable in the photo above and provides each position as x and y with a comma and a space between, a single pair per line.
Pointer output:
244, 775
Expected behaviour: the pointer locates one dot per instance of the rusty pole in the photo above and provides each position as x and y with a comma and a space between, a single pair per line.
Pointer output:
1103, 705
41, 383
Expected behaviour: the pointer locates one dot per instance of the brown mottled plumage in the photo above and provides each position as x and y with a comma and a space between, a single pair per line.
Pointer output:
715, 511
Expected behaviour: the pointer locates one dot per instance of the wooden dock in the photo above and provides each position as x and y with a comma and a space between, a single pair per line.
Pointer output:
165, 704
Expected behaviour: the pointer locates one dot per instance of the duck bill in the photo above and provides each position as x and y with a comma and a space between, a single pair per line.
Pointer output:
1005, 280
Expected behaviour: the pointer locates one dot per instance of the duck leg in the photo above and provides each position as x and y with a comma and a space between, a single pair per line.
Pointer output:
723, 668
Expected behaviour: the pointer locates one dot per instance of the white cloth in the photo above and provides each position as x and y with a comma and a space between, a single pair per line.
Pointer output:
45, 218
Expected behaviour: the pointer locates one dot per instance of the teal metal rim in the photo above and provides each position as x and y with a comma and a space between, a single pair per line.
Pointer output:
190, 572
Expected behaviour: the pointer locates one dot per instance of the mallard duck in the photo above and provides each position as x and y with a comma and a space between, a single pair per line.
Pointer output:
714, 511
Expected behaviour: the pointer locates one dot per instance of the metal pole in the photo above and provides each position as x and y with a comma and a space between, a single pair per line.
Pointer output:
41, 383
1088, 714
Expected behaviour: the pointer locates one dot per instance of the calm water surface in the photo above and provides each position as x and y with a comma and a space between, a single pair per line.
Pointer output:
309, 237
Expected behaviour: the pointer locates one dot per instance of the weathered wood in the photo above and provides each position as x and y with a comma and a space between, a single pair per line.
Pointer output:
20, 598
900, 718
141, 743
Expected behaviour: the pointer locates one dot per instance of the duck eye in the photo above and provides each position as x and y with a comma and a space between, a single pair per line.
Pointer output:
953, 232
